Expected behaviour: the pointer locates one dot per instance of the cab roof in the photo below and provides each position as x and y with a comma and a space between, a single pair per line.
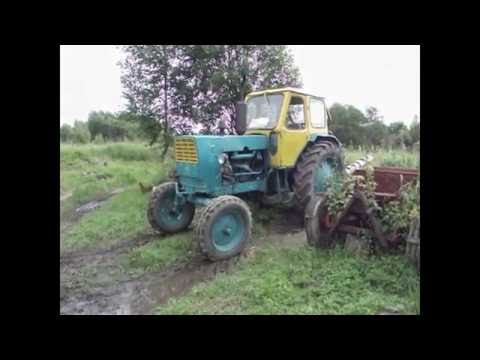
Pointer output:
285, 89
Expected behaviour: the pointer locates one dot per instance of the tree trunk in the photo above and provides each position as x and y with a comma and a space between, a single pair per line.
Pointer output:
165, 86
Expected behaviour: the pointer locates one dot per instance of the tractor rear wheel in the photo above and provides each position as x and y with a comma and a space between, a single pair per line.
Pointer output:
223, 228
162, 214
315, 166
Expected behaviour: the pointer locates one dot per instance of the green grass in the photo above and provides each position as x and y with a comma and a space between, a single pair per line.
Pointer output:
275, 280
84, 174
161, 253
90, 172
121, 217
381, 157
305, 281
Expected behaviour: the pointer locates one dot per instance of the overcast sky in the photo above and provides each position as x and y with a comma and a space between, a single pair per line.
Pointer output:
384, 76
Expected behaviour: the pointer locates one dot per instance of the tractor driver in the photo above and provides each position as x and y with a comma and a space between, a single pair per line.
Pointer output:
295, 118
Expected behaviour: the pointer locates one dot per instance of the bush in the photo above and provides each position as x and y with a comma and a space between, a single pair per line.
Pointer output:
80, 133
65, 133
129, 152
99, 139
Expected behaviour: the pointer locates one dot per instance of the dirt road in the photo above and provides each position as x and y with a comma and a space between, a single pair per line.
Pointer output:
95, 282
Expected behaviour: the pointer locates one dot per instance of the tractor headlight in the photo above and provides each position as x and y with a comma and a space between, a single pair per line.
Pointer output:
222, 158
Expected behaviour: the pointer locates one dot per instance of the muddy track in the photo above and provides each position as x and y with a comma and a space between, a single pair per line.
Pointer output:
69, 218
108, 290
142, 294
121, 247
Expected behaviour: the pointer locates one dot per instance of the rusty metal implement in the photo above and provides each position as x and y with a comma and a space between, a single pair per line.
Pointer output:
358, 217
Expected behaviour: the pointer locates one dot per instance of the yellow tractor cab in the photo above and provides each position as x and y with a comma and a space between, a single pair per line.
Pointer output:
291, 115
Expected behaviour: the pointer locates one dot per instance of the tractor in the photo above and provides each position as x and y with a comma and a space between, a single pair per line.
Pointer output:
283, 153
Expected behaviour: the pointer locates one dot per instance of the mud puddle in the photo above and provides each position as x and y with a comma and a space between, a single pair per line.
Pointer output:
140, 296
95, 204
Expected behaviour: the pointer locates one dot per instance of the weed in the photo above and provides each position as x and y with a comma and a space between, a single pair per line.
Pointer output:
303, 281
161, 253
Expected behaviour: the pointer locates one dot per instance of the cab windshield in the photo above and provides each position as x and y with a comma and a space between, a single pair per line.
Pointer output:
263, 111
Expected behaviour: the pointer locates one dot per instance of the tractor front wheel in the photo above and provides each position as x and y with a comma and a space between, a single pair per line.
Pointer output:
223, 228
162, 213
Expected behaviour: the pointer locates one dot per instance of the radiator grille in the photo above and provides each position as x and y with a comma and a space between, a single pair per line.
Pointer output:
186, 151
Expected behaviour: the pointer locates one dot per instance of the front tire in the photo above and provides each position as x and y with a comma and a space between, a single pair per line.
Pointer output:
224, 228
161, 213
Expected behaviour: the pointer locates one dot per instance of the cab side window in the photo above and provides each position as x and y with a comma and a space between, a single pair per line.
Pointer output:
318, 113
295, 114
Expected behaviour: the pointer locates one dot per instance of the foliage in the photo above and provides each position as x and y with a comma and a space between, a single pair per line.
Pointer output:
386, 157
346, 124
65, 133
396, 216
91, 172
338, 193
112, 127
80, 133
99, 139
299, 280
340, 190
161, 253
414, 131
354, 128
174, 88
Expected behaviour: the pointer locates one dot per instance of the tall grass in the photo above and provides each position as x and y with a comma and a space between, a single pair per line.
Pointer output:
92, 171
302, 281
127, 151
386, 157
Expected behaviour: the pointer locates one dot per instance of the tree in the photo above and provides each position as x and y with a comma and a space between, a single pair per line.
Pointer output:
372, 114
174, 88
65, 133
397, 128
377, 133
112, 127
346, 124
80, 133
398, 133
415, 130
100, 123
376, 130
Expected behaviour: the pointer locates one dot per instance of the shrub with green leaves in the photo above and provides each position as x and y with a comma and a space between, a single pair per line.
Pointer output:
395, 216
341, 188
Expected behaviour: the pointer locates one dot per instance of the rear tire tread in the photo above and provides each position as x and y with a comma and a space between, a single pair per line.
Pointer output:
303, 175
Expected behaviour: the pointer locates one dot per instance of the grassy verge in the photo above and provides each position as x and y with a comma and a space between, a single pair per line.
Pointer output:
397, 158
305, 281
122, 217
161, 253
88, 172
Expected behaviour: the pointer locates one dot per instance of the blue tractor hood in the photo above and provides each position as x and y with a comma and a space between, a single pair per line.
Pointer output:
229, 143
198, 169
